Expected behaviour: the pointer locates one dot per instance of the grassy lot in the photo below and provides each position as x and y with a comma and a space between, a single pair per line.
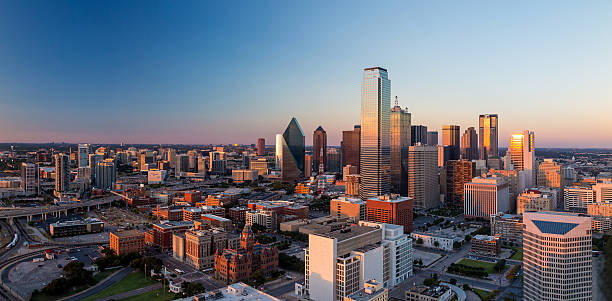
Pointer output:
488, 266
130, 282
518, 253
481, 293
97, 278
155, 295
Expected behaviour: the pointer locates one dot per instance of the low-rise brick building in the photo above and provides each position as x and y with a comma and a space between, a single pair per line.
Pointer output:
125, 242
486, 245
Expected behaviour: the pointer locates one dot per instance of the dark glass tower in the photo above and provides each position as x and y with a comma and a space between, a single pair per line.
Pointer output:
319, 143
292, 159
400, 142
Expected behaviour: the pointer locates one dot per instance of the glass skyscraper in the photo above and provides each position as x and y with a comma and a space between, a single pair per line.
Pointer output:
375, 165
487, 136
400, 142
292, 152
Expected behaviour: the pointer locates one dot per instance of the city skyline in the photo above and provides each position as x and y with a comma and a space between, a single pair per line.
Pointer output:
159, 88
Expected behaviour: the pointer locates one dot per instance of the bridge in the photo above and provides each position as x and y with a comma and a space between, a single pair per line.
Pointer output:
27, 212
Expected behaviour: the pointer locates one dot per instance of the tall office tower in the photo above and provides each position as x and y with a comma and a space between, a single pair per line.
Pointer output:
83, 155
292, 152
443, 155
62, 173
549, 174
261, 147
469, 145
423, 180
171, 157
432, 138
351, 146
522, 155
106, 174
278, 151
391, 209
400, 142
181, 165
418, 134
458, 173
319, 142
487, 136
486, 196
333, 160
450, 138
30, 179
339, 262
557, 257
307, 166
375, 159
202, 170
217, 162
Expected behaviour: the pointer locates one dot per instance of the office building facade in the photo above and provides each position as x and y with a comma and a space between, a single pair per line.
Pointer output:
319, 147
557, 257
486, 196
450, 138
375, 161
400, 142
423, 179
292, 152
418, 134
487, 136
469, 145
351, 146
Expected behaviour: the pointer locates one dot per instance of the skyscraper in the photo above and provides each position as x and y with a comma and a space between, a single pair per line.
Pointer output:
261, 147
83, 155
423, 180
375, 158
522, 155
450, 138
278, 151
469, 144
458, 173
307, 166
62, 173
418, 134
319, 144
351, 146
400, 142
30, 179
557, 257
485, 196
487, 135
106, 174
432, 138
292, 152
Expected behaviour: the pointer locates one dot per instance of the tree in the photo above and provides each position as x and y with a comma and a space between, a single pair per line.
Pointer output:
192, 288
453, 281
466, 287
468, 237
258, 277
500, 265
56, 287
436, 244
419, 241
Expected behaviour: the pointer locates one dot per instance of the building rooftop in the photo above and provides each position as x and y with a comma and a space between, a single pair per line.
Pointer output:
349, 200
173, 224
485, 237
234, 292
554, 227
218, 218
128, 233
348, 232
77, 222
391, 198
433, 291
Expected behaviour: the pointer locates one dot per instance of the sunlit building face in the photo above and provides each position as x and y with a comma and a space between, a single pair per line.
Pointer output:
375, 144
487, 136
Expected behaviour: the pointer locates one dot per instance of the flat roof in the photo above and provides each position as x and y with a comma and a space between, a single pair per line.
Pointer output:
127, 233
348, 233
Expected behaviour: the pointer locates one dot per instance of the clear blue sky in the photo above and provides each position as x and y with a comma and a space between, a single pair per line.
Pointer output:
230, 71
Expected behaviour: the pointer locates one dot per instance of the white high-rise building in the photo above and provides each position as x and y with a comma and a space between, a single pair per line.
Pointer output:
338, 263
603, 192
400, 246
486, 196
83, 155
557, 257
577, 198
375, 157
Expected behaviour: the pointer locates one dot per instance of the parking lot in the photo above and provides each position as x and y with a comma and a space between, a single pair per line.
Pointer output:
27, 276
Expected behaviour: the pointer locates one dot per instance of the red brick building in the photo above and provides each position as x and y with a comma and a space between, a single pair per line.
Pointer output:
233, 265
161, 234
238, 214
124, 242
390, 209
486, 245
193, 196
173, 213
282, 208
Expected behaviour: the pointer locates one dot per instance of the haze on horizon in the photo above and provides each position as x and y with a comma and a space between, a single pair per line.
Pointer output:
196, 72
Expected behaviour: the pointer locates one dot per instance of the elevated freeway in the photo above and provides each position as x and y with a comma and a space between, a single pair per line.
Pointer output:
9, 213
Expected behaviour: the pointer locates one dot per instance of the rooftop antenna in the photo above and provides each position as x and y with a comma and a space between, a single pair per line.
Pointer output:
396, 103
